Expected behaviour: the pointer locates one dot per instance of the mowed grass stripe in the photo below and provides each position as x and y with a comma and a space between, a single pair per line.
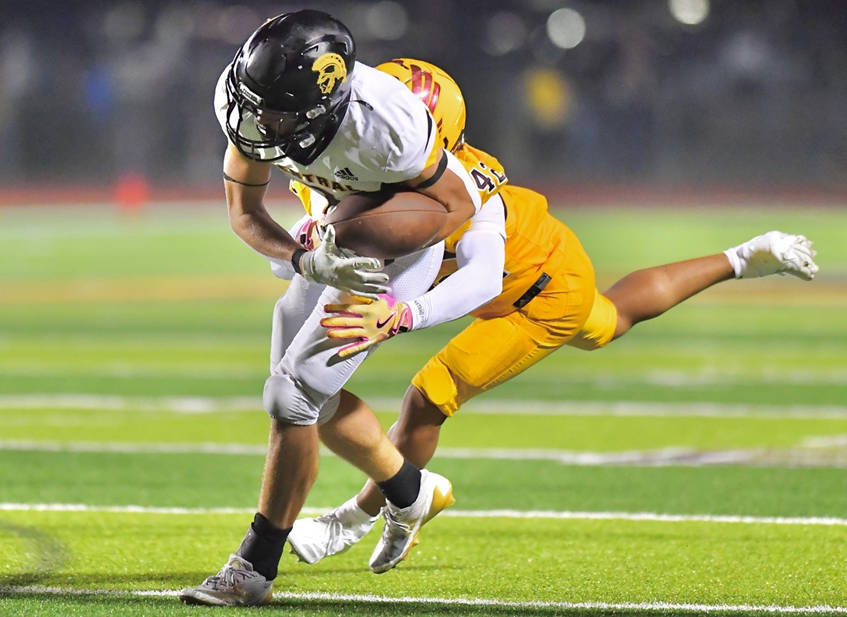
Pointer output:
591, 607
201, 480
141, 289
119, 290
546, 560
495, 406
574, 433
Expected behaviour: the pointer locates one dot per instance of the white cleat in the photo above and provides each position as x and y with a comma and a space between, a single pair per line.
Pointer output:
312, 539
773, 253
235, 585
401, 529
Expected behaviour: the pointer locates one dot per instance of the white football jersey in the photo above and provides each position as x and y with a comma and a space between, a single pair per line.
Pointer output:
387, 136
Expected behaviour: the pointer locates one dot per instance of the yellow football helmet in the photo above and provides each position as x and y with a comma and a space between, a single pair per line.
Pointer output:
439, 92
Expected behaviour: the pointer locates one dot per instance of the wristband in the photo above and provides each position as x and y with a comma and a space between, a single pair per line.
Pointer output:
295, 260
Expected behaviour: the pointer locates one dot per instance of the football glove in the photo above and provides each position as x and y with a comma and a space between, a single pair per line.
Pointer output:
328, 265
774, 253
368, 321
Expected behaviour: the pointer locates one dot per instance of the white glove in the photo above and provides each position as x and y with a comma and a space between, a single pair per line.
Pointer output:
773, 253
327, 265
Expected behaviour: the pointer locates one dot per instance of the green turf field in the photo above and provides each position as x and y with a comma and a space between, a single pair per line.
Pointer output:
699, 465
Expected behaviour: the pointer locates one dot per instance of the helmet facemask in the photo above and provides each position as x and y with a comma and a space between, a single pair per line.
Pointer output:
288, 87
264, 134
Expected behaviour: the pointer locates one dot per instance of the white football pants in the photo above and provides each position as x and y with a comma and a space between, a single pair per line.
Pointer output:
306, 374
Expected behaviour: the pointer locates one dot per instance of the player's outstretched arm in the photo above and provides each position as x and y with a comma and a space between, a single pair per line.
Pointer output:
246, 183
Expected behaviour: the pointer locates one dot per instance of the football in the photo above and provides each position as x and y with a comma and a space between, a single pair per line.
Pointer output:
387, 224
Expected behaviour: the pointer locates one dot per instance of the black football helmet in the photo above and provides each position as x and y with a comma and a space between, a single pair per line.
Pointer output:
288, 87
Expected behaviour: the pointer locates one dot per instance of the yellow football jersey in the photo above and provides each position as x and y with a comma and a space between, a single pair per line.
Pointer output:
486, 171
533, 236
313, 201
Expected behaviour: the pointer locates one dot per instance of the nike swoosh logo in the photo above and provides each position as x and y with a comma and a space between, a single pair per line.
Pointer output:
381, 324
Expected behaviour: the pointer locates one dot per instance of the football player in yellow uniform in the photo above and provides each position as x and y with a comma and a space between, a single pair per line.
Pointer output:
526, 278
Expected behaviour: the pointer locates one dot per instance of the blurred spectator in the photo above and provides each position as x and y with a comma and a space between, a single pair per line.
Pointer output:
620, 92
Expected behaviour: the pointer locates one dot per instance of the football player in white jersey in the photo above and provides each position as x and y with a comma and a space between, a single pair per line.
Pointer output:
295, 98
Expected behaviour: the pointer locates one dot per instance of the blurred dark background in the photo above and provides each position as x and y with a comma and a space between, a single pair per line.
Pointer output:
740, 94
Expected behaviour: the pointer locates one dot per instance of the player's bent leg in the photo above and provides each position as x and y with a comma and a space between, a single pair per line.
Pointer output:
484, 355
646, 294
333, 533
354, 434
415, 435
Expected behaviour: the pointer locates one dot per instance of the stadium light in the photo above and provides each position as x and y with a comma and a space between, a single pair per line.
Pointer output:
566, 28
689, 12
387, 20
505, 32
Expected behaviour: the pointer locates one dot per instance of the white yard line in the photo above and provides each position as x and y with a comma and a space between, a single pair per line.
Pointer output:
827, 441
512, 514
490, 407
373, 599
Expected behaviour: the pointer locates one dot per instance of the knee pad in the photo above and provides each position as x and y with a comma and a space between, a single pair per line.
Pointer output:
286, 401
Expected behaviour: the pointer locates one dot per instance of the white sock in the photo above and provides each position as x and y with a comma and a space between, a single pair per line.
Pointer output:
351, 513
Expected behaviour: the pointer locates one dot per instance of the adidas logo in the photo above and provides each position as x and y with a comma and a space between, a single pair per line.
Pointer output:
345, 174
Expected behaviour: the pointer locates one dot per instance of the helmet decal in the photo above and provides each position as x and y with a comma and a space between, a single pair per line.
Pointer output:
330, 68
438, 91
424, 87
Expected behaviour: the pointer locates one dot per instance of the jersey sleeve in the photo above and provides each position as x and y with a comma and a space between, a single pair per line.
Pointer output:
414, 145
480, 257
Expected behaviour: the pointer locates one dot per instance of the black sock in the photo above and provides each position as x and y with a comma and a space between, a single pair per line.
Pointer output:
402, 489
262, 546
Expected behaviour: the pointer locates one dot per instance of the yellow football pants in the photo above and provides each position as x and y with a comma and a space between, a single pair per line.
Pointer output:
491, 351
